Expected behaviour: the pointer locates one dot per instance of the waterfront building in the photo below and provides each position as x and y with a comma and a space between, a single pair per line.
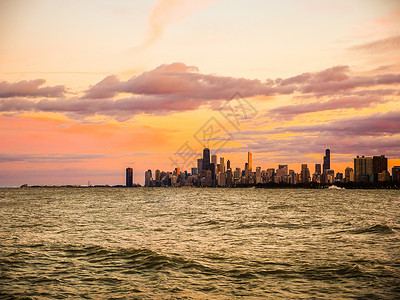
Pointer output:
305, 173
317, 169
206, 159
228, 164
379, 165
221, 165
200, 166
363, 169
327, 161
129, 177
258, 175
147, 178
396, 173
348, 175
250, 160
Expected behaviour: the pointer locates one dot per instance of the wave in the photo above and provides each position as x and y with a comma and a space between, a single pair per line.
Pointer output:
379, 229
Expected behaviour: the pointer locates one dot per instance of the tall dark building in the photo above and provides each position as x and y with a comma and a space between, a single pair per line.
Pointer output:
129, 177
206, 159
327, 161
379, 164
228, 164
318, 169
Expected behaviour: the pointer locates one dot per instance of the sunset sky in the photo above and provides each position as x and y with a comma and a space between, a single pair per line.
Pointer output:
89, 88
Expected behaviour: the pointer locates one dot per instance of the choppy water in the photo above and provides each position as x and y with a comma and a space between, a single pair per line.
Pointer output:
199, 243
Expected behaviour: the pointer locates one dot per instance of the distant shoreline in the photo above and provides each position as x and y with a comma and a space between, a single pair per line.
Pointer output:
337, 185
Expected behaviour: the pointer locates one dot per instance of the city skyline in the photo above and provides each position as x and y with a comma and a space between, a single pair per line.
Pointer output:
365, 170
90, 88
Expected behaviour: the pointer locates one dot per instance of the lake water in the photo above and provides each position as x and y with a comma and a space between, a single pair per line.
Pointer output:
187, 243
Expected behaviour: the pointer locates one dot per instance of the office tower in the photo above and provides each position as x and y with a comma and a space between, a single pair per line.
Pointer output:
200, 165
129, 177
206, 159
158, 175
177, 171
379, 165
292, 177
228, 164
363, 169
221, 165
318, 169
327, 161
258, 175
348, 175
396, 174
214, 159
305, 173
249, 161
270, 175
229, 177
281, 172
194, 171
147, 178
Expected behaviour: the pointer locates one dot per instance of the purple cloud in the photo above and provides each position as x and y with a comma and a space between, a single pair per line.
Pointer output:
30, 88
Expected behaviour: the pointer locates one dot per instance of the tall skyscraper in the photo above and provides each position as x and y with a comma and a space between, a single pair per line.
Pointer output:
249, 161
221, 165
129, 177
228, 164
305, 173
363, 169
327, 161
200, 165
206, 159
318, 169
379, 165
147, 178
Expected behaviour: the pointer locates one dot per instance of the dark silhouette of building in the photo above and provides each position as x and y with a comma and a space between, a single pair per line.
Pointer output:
379, 165
318, 169
228, 164
206, 159
129, 177
396, 173
327, 161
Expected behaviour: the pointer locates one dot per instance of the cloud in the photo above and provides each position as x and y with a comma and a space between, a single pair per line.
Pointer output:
380, 46
346, 102
178, 87
30, 88
182, 81
372, 125
168, 12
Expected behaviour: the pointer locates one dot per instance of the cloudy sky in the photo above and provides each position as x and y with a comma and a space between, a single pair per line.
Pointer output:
88, 88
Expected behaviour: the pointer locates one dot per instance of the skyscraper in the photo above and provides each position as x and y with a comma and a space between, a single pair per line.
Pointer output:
200, 165
221, 165
228, 164
129, 177
363, 169
249, 161
206, 159
147, 178
318, 169
396, 173
379, 165
327, 161
305, 173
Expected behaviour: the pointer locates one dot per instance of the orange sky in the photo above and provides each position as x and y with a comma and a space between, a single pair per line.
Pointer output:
145, 84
